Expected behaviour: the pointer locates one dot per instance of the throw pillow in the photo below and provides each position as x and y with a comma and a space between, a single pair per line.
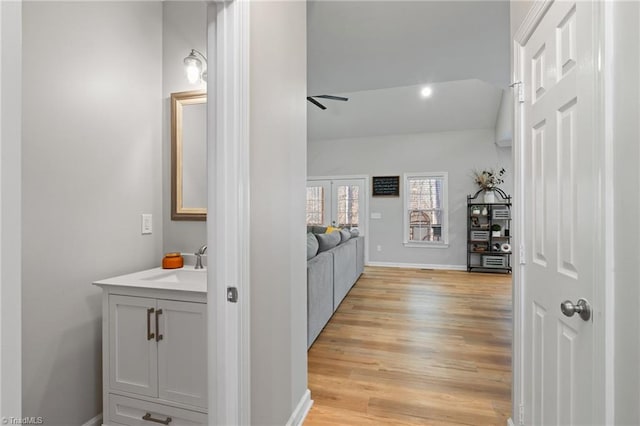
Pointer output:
328, 241
345, 235
330, 229
318, 229
355, 232
312, 245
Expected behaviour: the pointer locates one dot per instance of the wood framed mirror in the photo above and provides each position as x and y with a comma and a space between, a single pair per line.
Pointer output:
189, 155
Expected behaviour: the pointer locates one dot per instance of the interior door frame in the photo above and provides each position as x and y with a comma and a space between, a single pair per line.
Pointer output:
603, 166
366, 179
10, 209
228, 232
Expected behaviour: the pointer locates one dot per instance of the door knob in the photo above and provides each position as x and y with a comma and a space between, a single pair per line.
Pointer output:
582, 308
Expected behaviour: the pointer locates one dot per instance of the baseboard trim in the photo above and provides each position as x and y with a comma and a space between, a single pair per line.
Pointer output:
510, 422
96, 421
419, 266
302, 409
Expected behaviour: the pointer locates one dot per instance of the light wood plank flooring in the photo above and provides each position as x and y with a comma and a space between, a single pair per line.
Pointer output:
411, 346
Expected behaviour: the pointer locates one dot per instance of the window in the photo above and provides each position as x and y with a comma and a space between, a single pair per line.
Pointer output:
337, 202
426, 209
315, 205
348, 205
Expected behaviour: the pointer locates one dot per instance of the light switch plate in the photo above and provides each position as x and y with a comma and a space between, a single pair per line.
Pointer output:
147, 224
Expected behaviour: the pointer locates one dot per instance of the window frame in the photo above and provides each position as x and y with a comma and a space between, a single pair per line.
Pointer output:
444, 243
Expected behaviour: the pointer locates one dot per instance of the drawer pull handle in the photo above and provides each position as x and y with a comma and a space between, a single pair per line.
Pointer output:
158, 335
150, 335
148, 418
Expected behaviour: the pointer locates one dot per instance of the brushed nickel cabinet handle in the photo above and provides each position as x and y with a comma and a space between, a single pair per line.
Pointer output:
158, 335
150, 335
148, 418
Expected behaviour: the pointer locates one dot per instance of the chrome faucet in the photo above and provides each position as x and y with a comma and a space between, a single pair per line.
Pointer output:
199, 254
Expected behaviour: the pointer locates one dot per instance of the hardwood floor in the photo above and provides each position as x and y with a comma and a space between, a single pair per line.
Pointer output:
411, 346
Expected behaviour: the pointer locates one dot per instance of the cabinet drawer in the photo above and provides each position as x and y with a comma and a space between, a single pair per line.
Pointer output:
130, 411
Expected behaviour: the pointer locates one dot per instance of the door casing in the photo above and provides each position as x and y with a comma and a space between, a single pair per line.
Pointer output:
228, 180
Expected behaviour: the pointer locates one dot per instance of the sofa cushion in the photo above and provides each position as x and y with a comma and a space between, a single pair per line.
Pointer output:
312, 245
345, 235
344, 271
355, 232
319, 294
328, 241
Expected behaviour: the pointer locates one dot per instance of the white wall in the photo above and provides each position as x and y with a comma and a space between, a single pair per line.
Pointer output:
278, 80
184, 28
10, 209
624, 109
92, 163
458, 153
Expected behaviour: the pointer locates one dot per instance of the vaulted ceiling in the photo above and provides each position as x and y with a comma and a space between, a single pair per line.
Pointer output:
453, 105
379, 54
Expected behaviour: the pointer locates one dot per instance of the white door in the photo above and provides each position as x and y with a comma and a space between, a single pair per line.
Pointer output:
132, 345
560, 212
182, 352
337, 202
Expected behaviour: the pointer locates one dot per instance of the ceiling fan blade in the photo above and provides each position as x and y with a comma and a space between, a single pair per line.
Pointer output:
333, 98
316, 103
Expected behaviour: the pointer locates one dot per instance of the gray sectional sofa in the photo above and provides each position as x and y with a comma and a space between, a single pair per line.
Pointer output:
334, 263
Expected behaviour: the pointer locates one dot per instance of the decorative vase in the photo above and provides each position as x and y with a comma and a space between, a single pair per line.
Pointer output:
489, 197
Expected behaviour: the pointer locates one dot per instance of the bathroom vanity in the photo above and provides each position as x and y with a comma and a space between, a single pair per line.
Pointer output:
154, 347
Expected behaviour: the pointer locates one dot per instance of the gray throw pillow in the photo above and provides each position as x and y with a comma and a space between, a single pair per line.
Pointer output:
319, 229
345, 235
312, 245
328, 241
355, 232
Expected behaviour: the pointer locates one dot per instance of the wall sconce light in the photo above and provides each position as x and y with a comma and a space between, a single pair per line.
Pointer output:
193, 67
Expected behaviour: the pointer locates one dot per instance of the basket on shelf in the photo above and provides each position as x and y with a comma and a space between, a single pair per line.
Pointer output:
480, 235
494, 261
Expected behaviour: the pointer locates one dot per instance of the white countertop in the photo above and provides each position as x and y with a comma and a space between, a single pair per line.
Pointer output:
182, 279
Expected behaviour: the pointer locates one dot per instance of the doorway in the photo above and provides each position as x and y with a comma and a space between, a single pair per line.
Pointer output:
393, 126
338, 201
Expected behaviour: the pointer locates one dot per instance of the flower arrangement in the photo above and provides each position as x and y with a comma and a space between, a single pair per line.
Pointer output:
489, 178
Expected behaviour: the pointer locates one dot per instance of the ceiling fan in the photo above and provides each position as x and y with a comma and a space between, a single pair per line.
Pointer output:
331, 97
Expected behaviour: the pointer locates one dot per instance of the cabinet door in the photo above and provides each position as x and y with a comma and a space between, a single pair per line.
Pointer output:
133, 353
182, 352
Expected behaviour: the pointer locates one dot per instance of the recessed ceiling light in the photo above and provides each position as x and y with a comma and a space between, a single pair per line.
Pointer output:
426, 91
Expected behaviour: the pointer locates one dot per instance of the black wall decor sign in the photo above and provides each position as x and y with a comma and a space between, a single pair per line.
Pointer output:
386, 186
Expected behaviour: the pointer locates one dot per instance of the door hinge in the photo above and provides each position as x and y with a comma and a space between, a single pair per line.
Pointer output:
521, 415
523, 260
232, 294
519, 87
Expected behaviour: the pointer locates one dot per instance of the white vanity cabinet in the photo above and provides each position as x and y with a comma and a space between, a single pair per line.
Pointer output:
154, 353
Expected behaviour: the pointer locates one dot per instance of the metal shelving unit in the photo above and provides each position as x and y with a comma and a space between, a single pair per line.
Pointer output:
489, 250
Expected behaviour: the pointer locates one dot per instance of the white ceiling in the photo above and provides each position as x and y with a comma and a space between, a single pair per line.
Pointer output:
364, 45
380, 53
454, 105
